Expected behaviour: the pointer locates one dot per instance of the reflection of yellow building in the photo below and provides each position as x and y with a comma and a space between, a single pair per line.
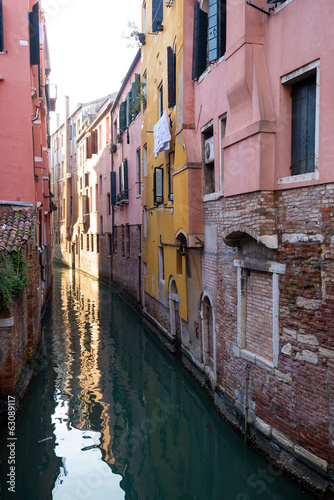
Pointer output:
172, 204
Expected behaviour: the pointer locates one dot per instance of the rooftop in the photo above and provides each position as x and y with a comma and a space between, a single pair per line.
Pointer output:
16, 228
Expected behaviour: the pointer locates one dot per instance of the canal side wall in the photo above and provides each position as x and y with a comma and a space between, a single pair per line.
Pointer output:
20, 336
274, 326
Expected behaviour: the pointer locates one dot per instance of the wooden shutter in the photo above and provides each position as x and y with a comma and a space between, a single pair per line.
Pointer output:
171, 71
34, 35
135, 95
213, 30
303, 126
128, 108
222, 28
157, 14
113, 188
120, 177
125, 179
1, 28
122, 117
200, 41
88, 148
94, 140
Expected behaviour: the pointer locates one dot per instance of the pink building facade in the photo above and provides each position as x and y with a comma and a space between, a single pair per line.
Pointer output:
261, 107
126, 184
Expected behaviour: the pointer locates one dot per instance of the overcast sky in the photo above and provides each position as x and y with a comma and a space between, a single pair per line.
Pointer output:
89, 57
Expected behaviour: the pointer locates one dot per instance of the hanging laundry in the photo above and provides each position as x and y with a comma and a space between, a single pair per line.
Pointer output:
162, 135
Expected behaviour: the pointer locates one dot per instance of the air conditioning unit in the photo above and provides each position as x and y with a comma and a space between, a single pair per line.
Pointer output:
209, 150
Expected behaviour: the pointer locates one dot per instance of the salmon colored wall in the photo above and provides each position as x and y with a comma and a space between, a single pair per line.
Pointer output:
16, 153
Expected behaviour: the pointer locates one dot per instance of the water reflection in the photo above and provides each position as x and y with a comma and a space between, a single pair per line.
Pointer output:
112, 415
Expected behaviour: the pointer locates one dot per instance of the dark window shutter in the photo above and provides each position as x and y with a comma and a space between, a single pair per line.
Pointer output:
1, 28
200, 41
303, 126
120, 176
222, 28
94, 145
133, 98
88, 147
113, 188
171, 69
122, 117
34, 35
126, 187
157, 14
129, 102
136, 101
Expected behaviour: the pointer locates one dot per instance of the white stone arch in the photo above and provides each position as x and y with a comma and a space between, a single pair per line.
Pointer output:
208, 321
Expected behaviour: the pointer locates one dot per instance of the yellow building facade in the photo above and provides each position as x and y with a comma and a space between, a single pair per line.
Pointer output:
171, 199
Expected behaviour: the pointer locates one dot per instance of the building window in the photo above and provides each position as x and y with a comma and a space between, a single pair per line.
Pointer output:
123, 180
97, 243
161, 100
145, 160
1, 29
222, 127
138, 171
304, 86
87, 242
158, 186
108, 204
100, 137
96, 197
81, 241
209, 41
92, 242
144, 17
161, 265
171, 72
145, 90
101, 224
208, 333
257, 310
170, 169
110, 243
145, 222
157, 14
107, 129
208, 159
145, 268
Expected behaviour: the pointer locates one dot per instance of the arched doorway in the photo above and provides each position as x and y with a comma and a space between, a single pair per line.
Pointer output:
208, 337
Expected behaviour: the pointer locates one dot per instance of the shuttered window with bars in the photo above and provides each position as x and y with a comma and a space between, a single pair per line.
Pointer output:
200, 41
34, 35
123, 180
158, 186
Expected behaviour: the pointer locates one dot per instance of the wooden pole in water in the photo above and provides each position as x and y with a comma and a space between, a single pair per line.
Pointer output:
246, 402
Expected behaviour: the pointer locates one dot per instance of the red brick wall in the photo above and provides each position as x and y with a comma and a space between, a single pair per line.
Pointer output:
296, 397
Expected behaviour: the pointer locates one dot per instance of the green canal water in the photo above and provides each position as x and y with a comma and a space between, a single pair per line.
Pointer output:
111, 415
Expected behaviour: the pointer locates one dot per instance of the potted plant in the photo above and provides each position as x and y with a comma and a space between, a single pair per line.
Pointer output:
119, 138
113, 148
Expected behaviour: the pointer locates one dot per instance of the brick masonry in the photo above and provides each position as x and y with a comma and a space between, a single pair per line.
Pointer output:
295, 227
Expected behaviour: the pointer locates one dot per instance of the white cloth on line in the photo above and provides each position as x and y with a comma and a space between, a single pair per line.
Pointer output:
162, 135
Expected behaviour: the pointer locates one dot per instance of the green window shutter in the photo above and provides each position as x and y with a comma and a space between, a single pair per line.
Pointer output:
34, 35
222, 28
125, 173
122, 117
136, 102
200, 41
129, 108
1, 28
171, 72
120, 176
113, 188
157, 14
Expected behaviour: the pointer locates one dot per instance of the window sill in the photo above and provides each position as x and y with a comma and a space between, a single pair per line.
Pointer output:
213, 196
257, 360
311, 176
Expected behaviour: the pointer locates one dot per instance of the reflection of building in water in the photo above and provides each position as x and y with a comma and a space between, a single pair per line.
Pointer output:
76, 348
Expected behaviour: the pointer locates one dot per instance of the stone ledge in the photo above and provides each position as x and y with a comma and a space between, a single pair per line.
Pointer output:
6, 322
318, 462
282, 439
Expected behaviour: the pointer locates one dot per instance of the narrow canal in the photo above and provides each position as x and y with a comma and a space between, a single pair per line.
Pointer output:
111, 415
